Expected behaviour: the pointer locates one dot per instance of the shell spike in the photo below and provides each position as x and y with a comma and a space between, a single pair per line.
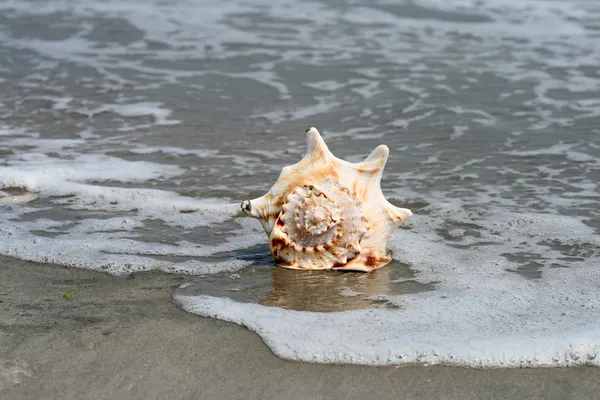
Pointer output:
380, 155
316, 144
397, 215
375, 162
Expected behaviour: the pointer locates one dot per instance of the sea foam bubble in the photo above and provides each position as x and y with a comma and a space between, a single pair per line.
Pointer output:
480, 314
100, 212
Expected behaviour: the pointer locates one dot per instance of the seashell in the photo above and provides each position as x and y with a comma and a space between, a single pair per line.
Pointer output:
327, 213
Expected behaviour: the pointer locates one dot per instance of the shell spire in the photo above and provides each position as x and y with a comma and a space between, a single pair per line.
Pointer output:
327, 213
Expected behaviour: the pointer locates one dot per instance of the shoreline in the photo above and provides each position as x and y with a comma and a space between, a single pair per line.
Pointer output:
124, 337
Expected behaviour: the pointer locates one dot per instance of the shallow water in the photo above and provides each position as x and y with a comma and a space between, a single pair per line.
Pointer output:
139, 127
317, 291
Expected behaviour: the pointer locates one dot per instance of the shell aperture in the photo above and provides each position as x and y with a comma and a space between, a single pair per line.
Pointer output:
327, 213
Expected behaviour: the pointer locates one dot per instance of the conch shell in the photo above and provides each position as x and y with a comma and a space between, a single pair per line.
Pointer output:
327, 213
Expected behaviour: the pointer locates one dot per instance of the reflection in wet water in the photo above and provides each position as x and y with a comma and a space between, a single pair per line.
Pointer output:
320, 291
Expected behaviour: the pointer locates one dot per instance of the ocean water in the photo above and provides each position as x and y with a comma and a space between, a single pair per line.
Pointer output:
131, 131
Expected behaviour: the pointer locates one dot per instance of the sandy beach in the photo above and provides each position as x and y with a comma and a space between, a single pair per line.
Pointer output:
124, 338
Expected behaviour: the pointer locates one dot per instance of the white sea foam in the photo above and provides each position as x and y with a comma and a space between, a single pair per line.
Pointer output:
106, 251
50, 170
200, 153
112, 245
346, 292
153, 109
480, 314
38, 172
186, 28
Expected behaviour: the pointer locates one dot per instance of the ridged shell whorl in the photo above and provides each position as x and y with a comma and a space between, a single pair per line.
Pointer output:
318, 227
327, 213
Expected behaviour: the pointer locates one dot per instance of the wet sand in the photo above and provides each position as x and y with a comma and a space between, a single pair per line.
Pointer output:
124, 338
